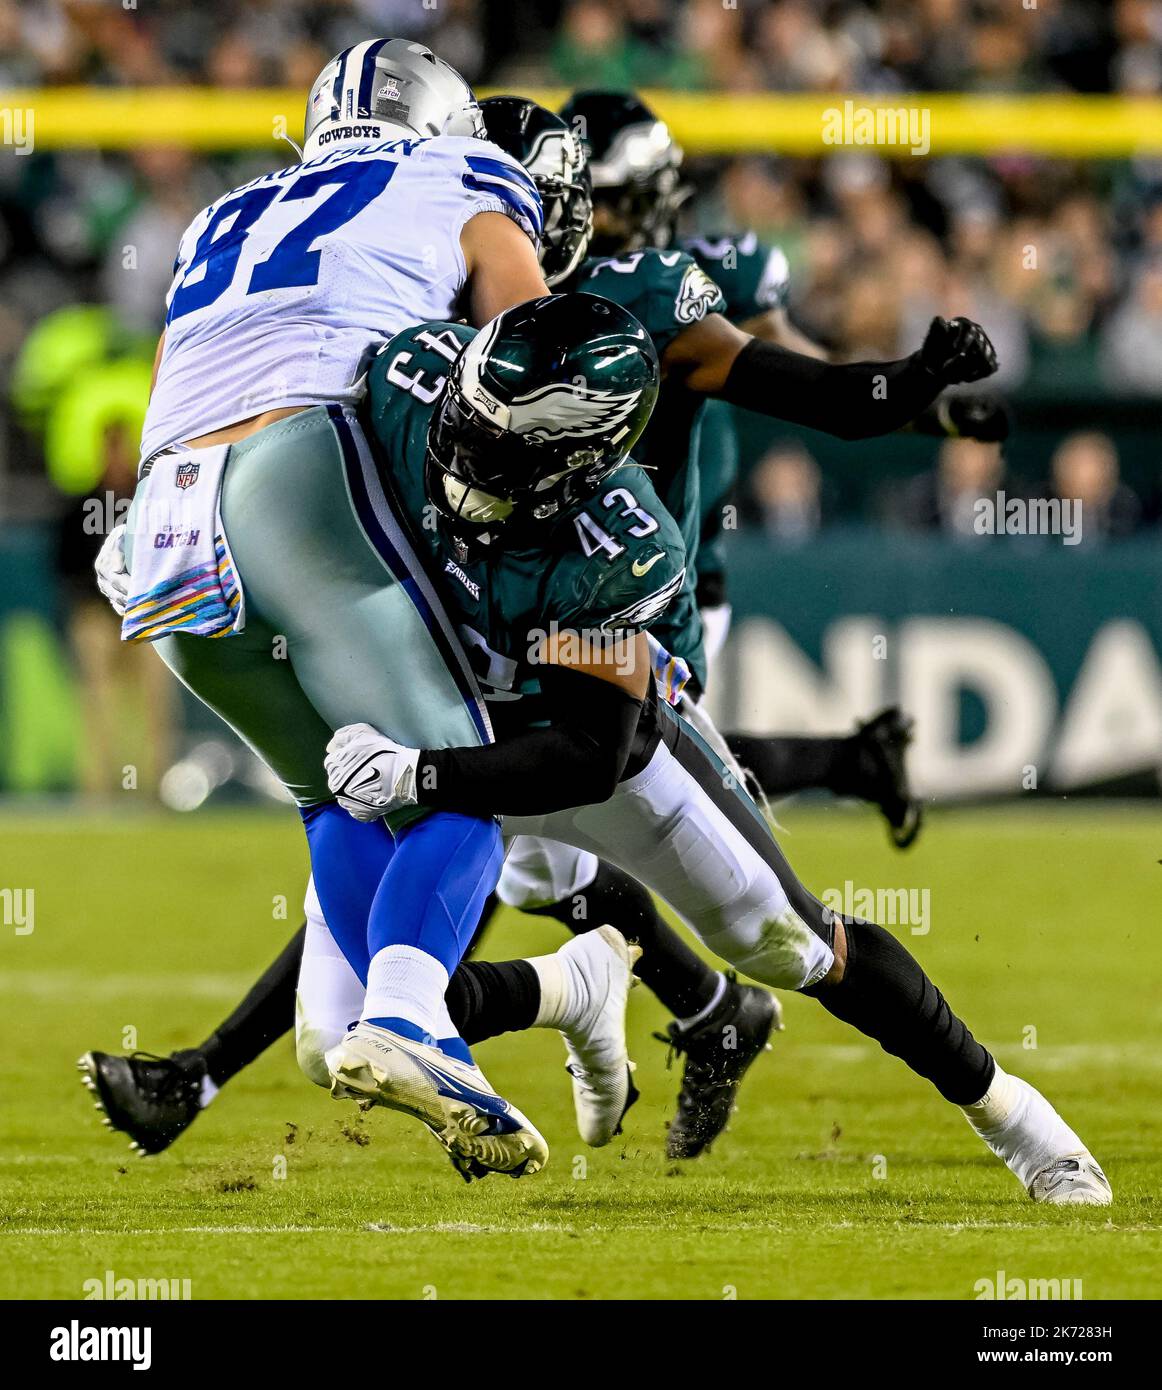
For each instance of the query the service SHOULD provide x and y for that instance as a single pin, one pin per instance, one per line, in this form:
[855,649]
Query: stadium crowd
[1060,260]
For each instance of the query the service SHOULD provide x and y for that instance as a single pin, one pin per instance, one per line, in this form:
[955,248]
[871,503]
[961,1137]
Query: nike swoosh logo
[640,567]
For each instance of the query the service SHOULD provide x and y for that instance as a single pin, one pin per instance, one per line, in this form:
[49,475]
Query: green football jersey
[667,291]
[753,277]
[604,570]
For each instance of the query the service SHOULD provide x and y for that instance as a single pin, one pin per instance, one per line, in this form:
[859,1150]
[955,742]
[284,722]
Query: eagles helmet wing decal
[562,409]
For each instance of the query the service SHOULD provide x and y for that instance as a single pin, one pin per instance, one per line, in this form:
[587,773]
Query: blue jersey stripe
[388,537]
[499,168]
[491,176]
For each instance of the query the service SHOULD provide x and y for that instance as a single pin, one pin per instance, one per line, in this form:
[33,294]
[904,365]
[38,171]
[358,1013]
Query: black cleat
[719,1050]
[152,1099]
[880,747]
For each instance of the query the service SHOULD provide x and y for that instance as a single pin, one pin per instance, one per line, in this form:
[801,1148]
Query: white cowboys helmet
[384,89]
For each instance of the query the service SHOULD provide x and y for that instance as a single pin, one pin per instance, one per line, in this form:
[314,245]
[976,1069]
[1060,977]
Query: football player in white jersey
[247,525]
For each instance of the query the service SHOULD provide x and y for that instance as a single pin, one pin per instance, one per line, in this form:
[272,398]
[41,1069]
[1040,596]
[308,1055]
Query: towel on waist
[183,577]
[671,672]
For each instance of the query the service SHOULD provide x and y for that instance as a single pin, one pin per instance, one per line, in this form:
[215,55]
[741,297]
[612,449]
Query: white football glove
[112,576]
[370,773]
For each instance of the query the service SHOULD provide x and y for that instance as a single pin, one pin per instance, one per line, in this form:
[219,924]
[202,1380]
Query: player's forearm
[533,774]
[853,400]
[576,757]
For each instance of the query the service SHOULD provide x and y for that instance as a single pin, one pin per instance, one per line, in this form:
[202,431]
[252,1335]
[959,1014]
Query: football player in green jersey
[635,167]
[703,355]
[496,449]
[490,456]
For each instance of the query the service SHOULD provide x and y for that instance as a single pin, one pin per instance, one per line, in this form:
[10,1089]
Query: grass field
[842,1175]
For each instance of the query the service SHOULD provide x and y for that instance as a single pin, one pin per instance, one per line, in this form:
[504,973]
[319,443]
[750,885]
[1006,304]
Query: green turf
[843,1175]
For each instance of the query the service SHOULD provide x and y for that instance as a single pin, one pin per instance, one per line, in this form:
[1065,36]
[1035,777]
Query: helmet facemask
[471,464]
[568,228]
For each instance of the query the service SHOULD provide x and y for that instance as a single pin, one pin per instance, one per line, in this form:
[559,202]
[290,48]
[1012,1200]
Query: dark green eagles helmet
[553,156]
[541,406]
[635,166]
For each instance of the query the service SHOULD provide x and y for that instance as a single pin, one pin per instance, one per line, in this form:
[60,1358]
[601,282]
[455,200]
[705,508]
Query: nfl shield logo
[187,475]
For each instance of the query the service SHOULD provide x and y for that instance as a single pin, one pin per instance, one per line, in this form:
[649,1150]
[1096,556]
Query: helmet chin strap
[294,144]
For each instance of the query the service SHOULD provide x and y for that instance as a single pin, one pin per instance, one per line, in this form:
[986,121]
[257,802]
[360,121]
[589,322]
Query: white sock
[1021,1127]
[403,982]
[208,1091]
[444,1028]
[559,1006]
[995,1106]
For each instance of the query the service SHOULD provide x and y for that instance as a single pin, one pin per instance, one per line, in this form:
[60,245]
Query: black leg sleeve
[785,765]
[885,994]
[266,1013]
[486,997]
[681,980]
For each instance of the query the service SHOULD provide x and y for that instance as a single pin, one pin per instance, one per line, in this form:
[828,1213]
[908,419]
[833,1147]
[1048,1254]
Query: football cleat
[152,1099]
[1073,1181]
[881,745]
[1040,1149]
[481,1133]
[600,964]
[719,1051]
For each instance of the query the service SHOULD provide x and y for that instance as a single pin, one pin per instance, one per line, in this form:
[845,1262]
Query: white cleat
[482,1133]
[599,965]
[1039,1148]
[1076,1180]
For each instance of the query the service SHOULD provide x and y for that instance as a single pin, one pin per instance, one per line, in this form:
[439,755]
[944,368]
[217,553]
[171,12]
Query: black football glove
[976,415]
[957,350]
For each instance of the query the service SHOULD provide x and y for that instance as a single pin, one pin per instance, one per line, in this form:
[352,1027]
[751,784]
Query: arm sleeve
[852,400]
[575,761]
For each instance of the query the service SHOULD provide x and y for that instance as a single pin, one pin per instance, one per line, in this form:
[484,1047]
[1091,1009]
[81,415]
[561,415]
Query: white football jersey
[283,288]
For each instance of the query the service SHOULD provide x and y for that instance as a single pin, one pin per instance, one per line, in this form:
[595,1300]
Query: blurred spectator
[127,696]
[1085,470]
[945,498]
[1132,345]
[1060,260]
[785,488]
[594,47]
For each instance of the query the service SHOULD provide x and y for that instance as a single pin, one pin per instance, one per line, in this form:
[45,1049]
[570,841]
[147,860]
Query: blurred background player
[638,192]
